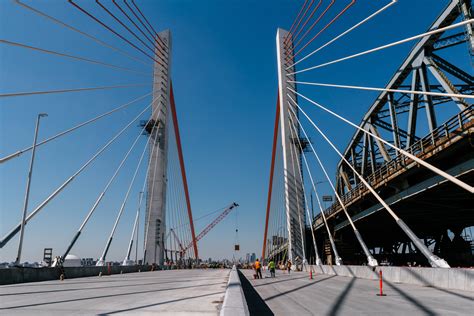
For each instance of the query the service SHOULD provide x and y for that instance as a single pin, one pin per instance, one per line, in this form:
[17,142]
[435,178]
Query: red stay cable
[297,17]
[299,22]
[116,33]
[332,21]
[183,170]
[308,19]
[154,36]
[272,169]
[315,22]
[149,24]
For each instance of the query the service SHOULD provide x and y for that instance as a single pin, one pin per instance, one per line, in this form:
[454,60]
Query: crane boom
[212,224]
[177,239]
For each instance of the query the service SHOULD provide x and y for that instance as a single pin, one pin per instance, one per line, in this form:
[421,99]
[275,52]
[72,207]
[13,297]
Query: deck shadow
[255,303]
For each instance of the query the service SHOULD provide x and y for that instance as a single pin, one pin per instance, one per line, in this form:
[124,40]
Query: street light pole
[138,225]
[27,194]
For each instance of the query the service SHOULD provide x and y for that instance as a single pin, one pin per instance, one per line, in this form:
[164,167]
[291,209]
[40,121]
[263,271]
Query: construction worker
[271,267]
[258,269]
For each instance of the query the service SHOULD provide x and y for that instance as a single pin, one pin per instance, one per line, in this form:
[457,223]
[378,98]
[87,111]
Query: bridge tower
[293,187]
[155,217]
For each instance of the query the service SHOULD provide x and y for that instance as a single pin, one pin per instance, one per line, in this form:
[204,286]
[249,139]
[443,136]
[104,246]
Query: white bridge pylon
[293,187]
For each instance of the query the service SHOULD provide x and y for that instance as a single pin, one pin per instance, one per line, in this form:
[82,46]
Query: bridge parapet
[455,129]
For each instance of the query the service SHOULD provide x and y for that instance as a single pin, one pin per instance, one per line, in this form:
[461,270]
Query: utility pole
[27,193]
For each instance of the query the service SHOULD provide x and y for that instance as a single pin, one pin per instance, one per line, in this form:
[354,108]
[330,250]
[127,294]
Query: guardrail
[455,126]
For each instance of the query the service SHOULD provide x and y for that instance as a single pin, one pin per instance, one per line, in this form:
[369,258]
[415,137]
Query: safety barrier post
[381,285]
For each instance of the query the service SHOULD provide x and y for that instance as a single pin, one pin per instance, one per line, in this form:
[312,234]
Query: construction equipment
[212,224]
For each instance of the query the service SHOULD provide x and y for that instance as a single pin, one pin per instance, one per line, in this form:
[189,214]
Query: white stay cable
[15,230]
[74,57]
[331,240]
[104,191]
[437,94]
[95,39]
[19,152]
[127,194]
[300,172]
[344,33]
[370,259]
[433,259]
[297,193]
[443,29]
[405,153]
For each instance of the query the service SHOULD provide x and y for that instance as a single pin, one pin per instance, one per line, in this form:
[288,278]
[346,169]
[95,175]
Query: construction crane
[212,224]
[182,251]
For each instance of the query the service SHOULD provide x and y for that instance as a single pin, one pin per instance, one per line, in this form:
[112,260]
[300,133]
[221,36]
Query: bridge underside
[426,205]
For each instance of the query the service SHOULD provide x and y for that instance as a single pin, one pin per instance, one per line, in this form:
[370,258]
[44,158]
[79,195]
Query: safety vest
[271,265]
[257,264]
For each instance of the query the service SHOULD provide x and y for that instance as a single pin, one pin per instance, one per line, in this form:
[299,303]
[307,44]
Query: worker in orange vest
[258,269]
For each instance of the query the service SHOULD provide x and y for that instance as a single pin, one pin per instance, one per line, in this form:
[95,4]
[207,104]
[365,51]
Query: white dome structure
[72,261]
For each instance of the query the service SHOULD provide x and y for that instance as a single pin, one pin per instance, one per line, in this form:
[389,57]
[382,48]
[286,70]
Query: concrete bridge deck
[295,294]
[176,292]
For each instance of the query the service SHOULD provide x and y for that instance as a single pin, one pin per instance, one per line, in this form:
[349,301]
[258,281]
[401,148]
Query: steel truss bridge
[401,195]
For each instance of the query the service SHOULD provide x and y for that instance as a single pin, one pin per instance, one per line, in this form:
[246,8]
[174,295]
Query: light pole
[138,225]
[27,194]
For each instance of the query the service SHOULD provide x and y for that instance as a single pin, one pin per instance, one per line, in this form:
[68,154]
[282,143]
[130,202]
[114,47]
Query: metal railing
[455,126]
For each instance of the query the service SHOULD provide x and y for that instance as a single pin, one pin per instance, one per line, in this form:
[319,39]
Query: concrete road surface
[177,292]
[296,295]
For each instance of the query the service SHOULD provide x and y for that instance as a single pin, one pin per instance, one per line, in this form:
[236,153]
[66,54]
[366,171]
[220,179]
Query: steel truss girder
[418,64]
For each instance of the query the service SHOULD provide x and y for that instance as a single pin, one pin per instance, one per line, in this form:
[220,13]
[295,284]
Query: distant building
[253,257]
[247,258]
[86,262]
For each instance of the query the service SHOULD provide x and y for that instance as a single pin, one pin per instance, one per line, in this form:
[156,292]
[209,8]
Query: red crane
[211,225]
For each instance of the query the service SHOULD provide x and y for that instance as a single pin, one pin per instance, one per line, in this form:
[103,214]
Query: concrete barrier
[23,275]
[234,300]
[452,278]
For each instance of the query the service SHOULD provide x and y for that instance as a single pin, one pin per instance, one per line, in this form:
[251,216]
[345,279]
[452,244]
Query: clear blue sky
[225,82]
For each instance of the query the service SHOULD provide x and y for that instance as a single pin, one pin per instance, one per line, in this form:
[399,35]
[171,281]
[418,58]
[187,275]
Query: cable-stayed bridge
[401,194]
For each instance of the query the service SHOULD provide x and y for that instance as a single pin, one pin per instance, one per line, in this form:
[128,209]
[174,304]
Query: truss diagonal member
[370,259]
[440,30]
[16,229]
[21,151]
[105,189]
[434,260]
[300,173]
[344,33]
[95,39]
[436,170]
[459,99]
